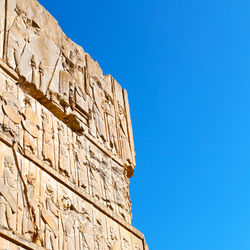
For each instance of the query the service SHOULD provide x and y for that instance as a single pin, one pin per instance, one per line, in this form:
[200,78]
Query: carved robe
[64,160]
[50,215]
[31,126]
[48,149]
[12,115]
[125,147]
[30,210]
[8,201]
[81,163]
[99,238]
[68,231]
[96,181]
[64,82]
[99,115]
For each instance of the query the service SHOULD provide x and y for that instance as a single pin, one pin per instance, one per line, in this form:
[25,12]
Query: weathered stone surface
[66,142]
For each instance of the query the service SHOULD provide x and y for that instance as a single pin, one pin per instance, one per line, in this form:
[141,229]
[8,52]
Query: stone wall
[66,142]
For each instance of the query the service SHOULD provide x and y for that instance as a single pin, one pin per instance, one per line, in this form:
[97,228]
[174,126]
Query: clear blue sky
[186,66]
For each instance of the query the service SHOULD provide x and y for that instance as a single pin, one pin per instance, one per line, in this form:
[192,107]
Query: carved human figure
[8,200]
[48,137]
[111,126]
[81,100]
[20,36]
[67,224]
[31,127]
[31,209]
[81,163]
[91,123]
[99,237]
[108,184]
[125,243]
[95,176]
[124,142]
[17,38]
[64,83]
[99,113]
[84,227]
[12,113]
[113,239]
[35,71]
[50,216]
[64,160]
[137,246]
[121,193]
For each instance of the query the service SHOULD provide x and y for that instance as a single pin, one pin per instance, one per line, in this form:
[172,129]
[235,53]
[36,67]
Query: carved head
[31,179]
[66,202]
[8,162]
[120,109]
[8,87]
[27,101]
[50,189]
[113,235]
[99,226]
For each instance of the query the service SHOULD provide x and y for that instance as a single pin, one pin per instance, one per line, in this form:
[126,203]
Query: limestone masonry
[66,141]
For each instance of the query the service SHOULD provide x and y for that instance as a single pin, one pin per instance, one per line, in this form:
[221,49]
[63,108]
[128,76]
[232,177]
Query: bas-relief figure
[121,192]
[8,201]
[31,126]
[31,210]
[63,150]
[48,138]
[108,184]
[99,235]
[81,163]
[50,215]
[96,180]
[12,114]
[58,109]
[99,112]
[85,229]
[111,125]
[68,224]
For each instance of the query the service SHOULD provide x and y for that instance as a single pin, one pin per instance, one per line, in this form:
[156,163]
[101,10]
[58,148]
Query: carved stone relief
[66,143]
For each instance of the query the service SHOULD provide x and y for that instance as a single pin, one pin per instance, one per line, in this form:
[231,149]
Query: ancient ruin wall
[66,142]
